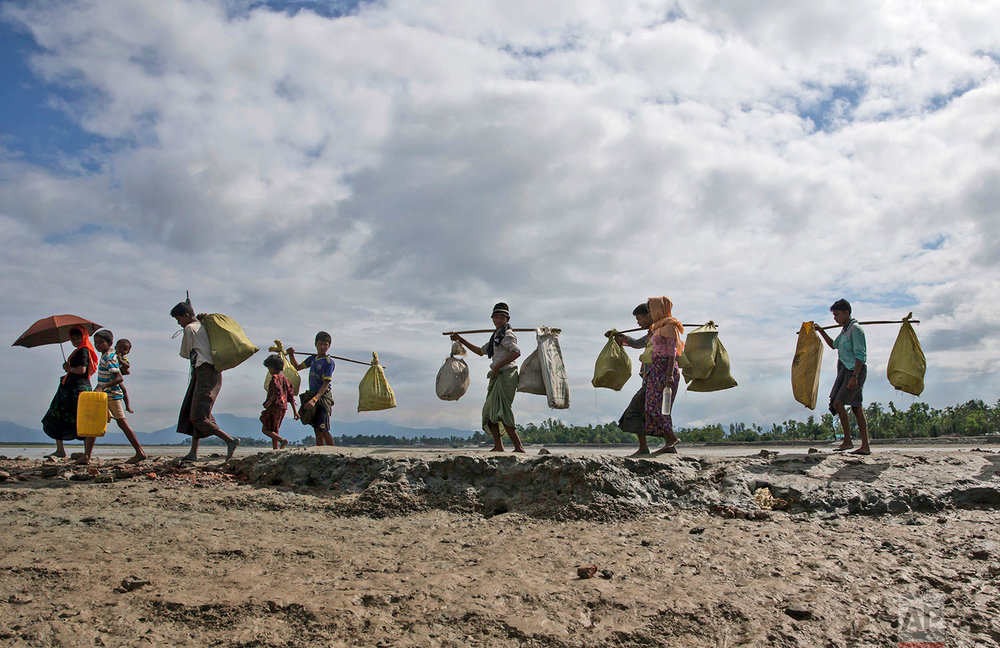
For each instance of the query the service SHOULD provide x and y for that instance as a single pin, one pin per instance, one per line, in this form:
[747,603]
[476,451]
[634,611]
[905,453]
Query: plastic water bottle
[668,401]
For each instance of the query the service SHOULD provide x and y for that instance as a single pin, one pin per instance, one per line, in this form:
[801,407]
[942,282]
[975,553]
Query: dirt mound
[590,487]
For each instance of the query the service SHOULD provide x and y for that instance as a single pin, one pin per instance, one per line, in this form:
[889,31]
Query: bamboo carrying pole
[905,319]
[518,330]
[643,328]
[367,364]
[875,322]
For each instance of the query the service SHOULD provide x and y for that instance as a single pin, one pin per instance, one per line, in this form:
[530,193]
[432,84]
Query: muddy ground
[369,548]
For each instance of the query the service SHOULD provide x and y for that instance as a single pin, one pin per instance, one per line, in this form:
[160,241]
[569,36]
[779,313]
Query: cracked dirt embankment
[609,487]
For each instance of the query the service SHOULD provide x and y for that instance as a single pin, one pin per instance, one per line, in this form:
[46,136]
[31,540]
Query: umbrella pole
[63,351]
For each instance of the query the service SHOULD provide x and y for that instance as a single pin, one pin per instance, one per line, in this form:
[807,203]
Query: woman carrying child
[59,422]
[503,351]
[665,338]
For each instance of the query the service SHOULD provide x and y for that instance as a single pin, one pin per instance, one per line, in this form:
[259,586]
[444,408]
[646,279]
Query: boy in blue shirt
[852,354]
[320,376]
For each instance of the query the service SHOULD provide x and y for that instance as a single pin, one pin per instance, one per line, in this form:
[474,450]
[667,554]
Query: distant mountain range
[239,426]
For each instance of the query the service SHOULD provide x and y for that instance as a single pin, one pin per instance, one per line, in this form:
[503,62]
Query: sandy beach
[349,547]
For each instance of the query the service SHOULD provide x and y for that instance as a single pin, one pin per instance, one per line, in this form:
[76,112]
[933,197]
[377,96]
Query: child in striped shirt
[109,379]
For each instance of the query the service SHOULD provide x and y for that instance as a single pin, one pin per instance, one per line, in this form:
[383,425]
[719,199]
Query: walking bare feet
[496,449]
[190,457]
[82,461]
[667,449]
[843,446]
[640,453]
[137,459]
[57,455]
[521,450]
[231,448]
[282,444]
[863,450]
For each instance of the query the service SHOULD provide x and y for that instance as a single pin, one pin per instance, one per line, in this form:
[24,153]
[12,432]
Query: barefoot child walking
[320,377]
[279,394]
[109,380]
[852,356]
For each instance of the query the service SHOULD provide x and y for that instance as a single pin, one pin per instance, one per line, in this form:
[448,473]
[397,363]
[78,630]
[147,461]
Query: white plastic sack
[529,376]
[553,368]
[453,376]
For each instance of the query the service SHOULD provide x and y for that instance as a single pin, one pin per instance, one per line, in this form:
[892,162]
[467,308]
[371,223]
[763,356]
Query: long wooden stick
[912,321]
[367,364]
[519,330]
[643,328]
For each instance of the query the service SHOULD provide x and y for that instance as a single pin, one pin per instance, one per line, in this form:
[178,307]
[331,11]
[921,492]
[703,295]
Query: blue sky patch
[31,126]
[935,244]
[325,8]
[836,105]
[87,229]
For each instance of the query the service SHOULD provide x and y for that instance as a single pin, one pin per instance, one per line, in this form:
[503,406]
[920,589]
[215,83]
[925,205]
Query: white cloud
[390,174]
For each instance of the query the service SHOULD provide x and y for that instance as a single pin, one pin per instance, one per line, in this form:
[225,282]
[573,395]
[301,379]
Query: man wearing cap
[503,353]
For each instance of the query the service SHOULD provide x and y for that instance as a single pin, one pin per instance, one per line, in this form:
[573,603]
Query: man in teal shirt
[852,354]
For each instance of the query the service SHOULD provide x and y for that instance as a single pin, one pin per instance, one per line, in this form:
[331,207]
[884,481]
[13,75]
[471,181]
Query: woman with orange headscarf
[59,422]
[665,338]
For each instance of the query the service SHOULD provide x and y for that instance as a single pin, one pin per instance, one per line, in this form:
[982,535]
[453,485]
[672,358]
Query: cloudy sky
[387,171]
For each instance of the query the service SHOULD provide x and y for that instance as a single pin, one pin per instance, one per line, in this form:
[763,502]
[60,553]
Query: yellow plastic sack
[374,392]
[702,349]
[92,414]
[806,365]
[230,345]
[906,362]
[613,367]
[288,369]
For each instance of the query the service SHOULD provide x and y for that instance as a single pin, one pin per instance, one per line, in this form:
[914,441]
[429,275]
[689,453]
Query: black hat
[501,308]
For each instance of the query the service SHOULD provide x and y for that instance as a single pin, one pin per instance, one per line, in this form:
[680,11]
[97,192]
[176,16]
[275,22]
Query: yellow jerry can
[92,414]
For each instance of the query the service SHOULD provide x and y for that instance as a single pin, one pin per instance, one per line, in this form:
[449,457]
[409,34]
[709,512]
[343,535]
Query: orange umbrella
[53,330]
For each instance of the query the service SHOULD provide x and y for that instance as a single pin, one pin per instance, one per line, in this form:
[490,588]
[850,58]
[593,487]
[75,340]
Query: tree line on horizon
[920,420]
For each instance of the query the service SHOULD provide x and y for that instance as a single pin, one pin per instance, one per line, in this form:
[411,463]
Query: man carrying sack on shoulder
[196,417]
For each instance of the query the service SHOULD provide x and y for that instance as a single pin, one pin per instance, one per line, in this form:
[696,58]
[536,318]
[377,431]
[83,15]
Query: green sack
[613,367]
[230,345]
[698,359]
[374,392]
[718,377]
[906,362]
[806,365]
[307,413]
